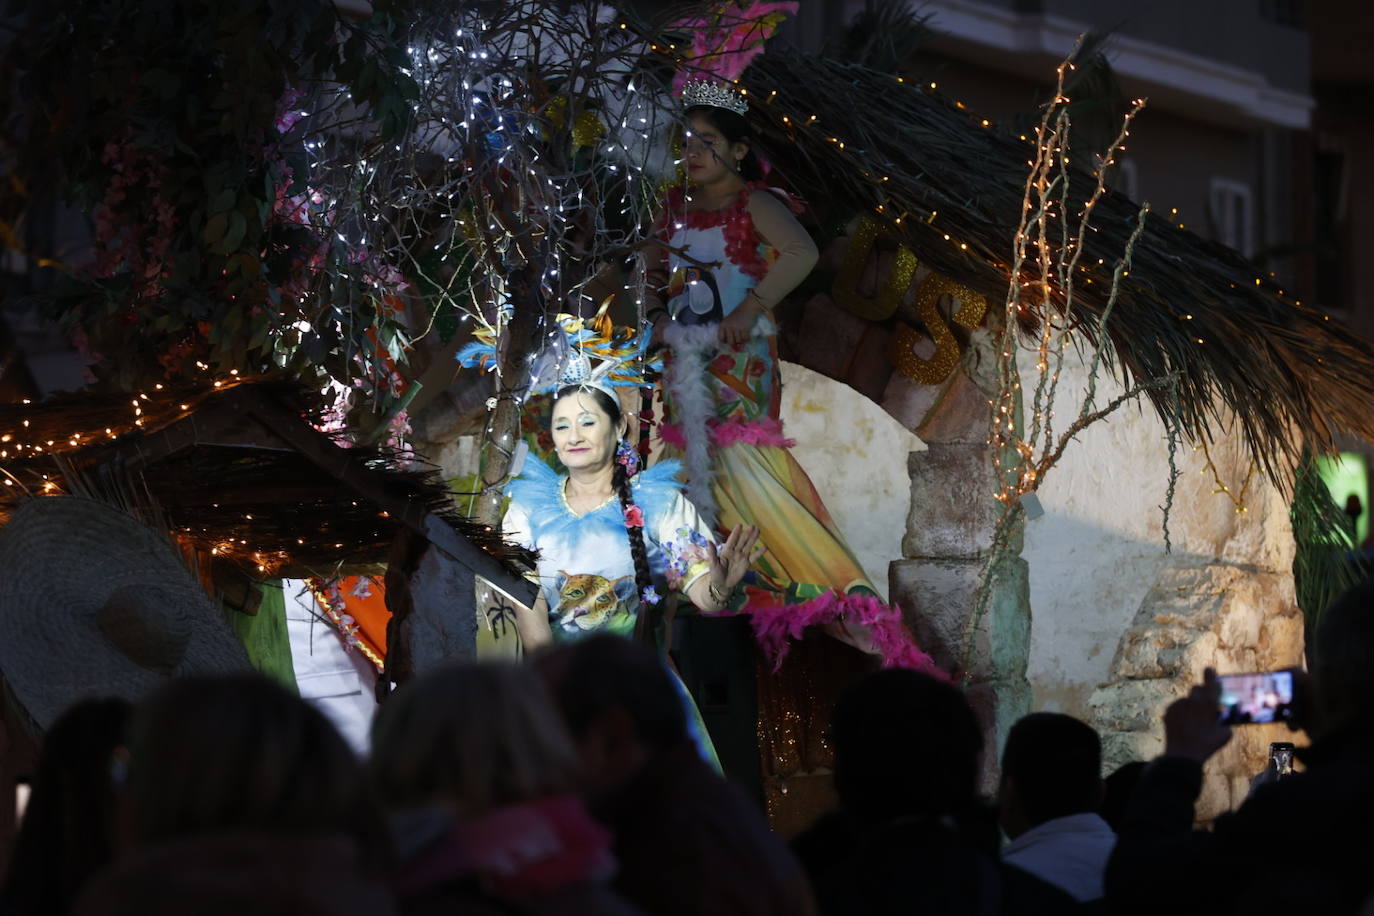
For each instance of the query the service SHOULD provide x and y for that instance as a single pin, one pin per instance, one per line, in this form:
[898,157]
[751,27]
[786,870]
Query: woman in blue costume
[611,542]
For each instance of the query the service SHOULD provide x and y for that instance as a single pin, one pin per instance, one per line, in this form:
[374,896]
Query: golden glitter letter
[972,308]
[845,289]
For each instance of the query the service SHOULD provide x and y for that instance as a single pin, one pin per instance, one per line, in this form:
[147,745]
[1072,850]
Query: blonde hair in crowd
[475,738]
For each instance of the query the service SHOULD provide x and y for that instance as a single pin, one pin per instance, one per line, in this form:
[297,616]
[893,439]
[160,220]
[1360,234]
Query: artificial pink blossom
[287,112]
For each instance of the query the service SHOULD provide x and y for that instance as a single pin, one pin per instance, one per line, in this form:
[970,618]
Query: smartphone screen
[1281,758]
[1252,699]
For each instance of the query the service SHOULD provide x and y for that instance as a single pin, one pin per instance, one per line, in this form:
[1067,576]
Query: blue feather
[655,487]
[538,490]
[471,355]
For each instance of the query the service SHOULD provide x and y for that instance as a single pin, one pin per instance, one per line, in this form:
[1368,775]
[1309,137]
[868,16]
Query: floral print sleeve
[684,538]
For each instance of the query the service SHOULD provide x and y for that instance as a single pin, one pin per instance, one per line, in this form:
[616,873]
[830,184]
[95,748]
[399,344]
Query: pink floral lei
[742,243]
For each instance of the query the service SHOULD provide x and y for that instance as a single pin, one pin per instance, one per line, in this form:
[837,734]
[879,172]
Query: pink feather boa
[776,625]
[767,431]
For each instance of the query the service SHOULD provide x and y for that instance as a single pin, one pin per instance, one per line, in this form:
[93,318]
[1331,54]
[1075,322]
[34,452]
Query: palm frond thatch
[950,187]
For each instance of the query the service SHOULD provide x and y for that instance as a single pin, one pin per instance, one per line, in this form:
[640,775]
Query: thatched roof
[237,471]
[949,185]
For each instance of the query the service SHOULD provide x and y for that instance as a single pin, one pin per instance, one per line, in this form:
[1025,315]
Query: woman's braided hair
[620,479]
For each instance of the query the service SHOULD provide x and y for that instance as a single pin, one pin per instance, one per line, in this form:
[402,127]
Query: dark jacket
[689,843]
[541,858]
[917,865]
[1301,845]
[236,873]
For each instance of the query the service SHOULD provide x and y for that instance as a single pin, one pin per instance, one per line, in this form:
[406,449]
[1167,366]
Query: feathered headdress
[723,44]
[594,353]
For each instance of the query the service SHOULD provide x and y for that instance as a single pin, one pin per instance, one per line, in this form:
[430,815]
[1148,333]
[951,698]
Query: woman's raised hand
[732,560]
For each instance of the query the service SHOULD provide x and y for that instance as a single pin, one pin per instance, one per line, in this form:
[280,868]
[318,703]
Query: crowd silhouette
[570,785]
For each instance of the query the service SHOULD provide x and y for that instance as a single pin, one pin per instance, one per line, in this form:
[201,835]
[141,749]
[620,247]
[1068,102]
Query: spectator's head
[904,744]
[619,703]
[240,753]
[1117,791]
[471,737]
[1343,658]
[1051,768]
[72,823]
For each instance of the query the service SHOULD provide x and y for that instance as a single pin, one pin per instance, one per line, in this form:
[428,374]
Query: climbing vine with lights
[1047,249]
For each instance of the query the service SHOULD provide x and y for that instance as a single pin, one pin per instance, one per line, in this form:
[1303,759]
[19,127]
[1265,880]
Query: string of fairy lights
[18,443]
[38,467]
[164,407]
[1046,253]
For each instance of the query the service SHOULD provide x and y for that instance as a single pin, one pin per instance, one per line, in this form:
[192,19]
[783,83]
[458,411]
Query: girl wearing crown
[731,250]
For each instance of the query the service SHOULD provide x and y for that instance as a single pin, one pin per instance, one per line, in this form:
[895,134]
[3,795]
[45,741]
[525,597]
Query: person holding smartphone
[1300,844]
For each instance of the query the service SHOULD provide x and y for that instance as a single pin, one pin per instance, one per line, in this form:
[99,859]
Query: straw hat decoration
[94,602]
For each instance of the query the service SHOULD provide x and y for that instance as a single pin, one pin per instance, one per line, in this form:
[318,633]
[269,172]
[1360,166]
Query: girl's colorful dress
[723,404]
[586,571]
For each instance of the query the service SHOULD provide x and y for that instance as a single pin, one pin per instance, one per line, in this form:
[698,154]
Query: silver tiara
[717,95]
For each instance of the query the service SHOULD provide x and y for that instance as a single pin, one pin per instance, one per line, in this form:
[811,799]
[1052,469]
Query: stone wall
[1120,628]
[950,525]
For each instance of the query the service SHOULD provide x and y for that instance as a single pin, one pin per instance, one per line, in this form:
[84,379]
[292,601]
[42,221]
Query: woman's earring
[627,457]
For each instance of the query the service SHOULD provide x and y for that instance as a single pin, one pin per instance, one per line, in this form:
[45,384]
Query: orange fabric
[371,612]
[368,612]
